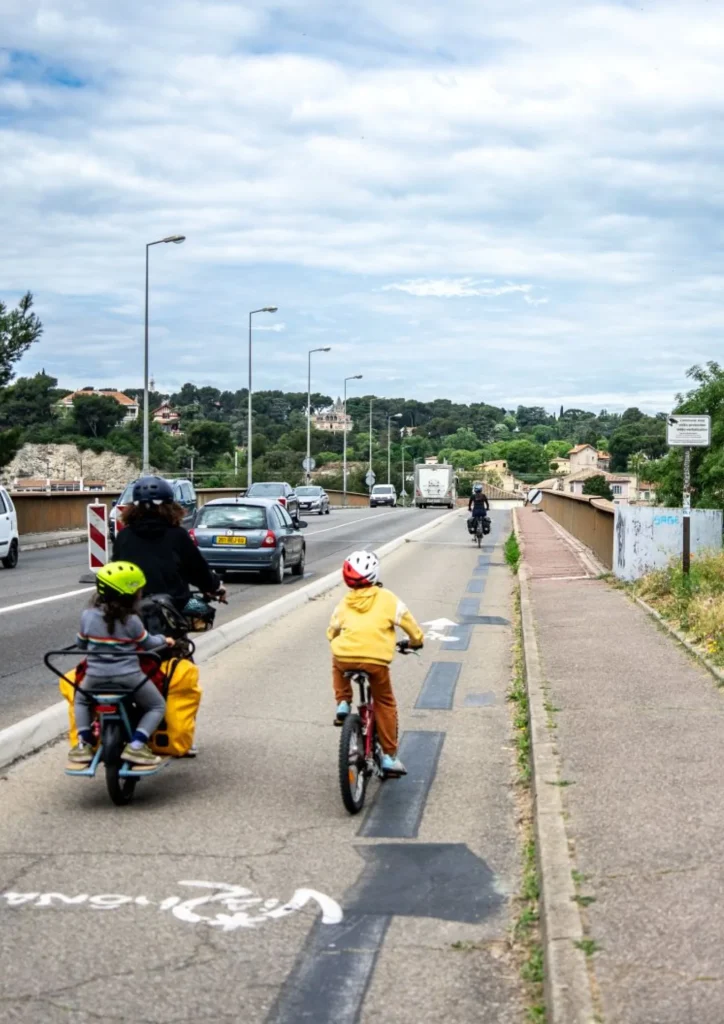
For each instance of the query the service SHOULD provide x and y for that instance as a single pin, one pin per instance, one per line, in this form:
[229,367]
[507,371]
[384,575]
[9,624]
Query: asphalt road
[41,601]
[237,888]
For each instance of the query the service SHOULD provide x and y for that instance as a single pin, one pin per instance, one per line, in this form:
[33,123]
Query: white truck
[435,486]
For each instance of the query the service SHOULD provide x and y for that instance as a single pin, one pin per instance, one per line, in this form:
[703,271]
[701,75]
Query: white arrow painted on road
[440,623]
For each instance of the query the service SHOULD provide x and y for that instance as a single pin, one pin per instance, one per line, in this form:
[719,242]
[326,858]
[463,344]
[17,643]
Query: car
[249,535]
[9,537]
[383,494]
[283,492]
[183,494]
[313,499]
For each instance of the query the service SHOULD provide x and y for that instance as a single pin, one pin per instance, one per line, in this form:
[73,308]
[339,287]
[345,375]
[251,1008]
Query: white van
[383,494]
[9,539]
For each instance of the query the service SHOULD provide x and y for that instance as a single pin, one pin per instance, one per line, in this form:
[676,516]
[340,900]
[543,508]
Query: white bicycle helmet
[361,569]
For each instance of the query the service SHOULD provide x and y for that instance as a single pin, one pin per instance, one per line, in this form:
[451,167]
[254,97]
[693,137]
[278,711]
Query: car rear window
[127,496]
[267,490]
[232,517]
[309,492]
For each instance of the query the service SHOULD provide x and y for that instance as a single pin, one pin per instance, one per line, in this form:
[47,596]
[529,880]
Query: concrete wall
[648,538]
[588,519]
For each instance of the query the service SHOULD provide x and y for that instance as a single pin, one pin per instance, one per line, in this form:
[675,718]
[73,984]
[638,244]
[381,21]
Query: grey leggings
[147,697]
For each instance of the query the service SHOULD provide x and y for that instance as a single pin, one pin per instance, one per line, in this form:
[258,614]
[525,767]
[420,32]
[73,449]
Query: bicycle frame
[366,710]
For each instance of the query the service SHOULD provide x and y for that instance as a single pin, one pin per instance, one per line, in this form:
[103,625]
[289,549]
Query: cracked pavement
[260,809]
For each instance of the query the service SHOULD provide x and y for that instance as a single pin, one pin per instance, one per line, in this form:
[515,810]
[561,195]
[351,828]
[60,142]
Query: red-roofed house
[585,456]
[130,405]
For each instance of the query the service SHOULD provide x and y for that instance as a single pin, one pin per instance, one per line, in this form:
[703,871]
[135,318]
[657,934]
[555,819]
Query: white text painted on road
[45,600]
[244,909]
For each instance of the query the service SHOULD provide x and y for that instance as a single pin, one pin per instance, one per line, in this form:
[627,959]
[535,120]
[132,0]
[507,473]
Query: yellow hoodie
[362,627]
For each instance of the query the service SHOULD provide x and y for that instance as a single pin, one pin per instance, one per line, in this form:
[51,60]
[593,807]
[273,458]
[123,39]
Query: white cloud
[447,288]
[277,328]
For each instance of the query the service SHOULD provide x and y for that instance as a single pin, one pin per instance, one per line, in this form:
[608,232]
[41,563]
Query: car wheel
[326,511]
[298,569]
[11,559]
[277,575]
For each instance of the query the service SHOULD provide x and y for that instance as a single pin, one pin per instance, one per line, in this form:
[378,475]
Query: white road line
[361,522]
[45,600]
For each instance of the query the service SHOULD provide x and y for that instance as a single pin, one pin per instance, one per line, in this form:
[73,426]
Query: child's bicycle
[360,753]
[114,719]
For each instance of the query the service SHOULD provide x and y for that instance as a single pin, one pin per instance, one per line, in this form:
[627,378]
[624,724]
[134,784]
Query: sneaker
[392,765]
[192,751]
[82,754]
[342,712]
[140,755]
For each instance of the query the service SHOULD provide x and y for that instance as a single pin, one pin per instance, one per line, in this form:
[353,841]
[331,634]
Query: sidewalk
[59,539]
[639,728]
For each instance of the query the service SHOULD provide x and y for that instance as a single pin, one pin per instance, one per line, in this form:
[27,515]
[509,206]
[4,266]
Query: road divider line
[30,734]
[344,526]
[45,600]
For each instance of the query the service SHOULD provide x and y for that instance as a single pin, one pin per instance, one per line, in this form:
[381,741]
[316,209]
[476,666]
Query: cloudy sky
[489,200]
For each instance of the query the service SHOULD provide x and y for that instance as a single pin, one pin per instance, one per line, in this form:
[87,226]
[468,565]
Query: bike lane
[237,887]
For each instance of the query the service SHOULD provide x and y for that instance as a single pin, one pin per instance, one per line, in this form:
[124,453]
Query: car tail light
[194,538]
[270,541]
[282,501]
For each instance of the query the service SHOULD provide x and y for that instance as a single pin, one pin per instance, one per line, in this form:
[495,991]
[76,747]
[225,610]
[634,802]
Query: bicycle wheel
[119,790]
[352,768]
[479,536]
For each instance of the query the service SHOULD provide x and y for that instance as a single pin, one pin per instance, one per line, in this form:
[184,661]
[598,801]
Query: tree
[96,415]
[645,434]
[209,440]
[526,457]
[599,487]
[19,329]
[10,444]
[531,416]
[29,401]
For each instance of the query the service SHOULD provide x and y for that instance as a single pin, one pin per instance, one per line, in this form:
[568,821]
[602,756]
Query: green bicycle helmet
[122,579]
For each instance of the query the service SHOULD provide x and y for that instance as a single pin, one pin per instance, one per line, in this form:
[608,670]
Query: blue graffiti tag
[666,520]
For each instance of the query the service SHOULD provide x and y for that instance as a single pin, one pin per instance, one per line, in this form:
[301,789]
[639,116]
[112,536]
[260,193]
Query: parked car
[313,499]
[283,492]
[9,539]
[383,494]
[183,494]
[249,535]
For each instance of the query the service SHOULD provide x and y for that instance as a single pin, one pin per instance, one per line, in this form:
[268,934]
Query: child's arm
[142,638]
[335,625]
[406,620]
[81,639]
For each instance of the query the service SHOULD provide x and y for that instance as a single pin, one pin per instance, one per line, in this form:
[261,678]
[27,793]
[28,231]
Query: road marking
[398,810]
[438,689]
[344,526]
[45,600]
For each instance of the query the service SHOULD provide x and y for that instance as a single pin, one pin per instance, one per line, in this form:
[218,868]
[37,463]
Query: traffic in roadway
[236,886]
[41,600]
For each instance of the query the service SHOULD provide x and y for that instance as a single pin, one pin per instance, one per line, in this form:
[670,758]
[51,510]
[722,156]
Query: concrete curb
[709,665]
[30,734]
[42,545]
[567,984]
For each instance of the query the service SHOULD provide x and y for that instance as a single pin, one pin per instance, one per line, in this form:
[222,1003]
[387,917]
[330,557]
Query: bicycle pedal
[393,775]
[339,722]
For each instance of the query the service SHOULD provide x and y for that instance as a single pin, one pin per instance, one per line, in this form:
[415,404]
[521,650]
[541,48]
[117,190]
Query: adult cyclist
[478,506]
[153,539]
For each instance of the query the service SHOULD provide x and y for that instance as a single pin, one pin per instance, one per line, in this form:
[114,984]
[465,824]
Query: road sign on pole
[370,478]
[688,431]
[308,465]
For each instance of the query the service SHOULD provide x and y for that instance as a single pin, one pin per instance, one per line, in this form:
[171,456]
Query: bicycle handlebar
[403,647]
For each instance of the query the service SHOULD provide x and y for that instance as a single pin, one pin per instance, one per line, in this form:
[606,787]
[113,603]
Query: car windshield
[384,489]
[309,492]
[127,496]
[267,490]
[232,517]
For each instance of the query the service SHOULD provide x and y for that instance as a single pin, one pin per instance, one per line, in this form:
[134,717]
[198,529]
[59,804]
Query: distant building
[167,418]
[496,472]
[560,466]
[333,418]
[585,456]
[130,405]
[431,460]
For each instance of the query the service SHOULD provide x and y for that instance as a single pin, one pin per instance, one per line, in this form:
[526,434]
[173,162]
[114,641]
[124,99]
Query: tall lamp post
[357,376]
[396,416]
[177,240]
[371,400]
[404,488]
[307,471]
[264,309]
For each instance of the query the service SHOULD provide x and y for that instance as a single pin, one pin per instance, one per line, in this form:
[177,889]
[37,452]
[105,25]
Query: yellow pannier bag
[175,736]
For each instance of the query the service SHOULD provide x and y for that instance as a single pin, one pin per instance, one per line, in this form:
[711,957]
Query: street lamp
[307,470]
[396,416]
[177,240]
[371,400]
[404,488]
[357,376]
[264,309]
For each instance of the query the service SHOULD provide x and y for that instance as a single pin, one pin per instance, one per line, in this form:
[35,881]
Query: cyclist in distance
[478,506]
[153,538]
[362,635]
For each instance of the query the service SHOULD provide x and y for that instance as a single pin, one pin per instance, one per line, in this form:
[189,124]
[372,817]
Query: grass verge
[512,552]
[526,931]
[693,604]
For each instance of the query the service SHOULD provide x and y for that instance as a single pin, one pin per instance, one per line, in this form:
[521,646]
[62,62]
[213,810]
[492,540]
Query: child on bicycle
[362,635]
[112,625]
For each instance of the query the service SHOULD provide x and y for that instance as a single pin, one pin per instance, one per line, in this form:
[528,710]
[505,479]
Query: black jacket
[170,560]
[479,500]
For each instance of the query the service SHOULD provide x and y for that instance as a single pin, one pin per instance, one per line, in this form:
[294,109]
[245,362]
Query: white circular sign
[308,465]
[370,478]
[535,497]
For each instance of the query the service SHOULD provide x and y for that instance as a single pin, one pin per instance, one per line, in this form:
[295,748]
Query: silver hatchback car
[249,535]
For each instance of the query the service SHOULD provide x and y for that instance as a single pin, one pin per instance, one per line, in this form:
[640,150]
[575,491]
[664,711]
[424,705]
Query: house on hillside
[560,466]
[496,472]
[167,418]
[585,456]
[130,405]
[332,418]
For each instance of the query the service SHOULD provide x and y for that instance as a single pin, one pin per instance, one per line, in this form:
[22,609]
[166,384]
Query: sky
[509,202]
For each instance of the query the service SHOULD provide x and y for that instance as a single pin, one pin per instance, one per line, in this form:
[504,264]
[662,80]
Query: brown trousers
[384,698]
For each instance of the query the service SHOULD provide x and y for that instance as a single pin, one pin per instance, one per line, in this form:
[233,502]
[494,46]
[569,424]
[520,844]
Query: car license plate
[230,540]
